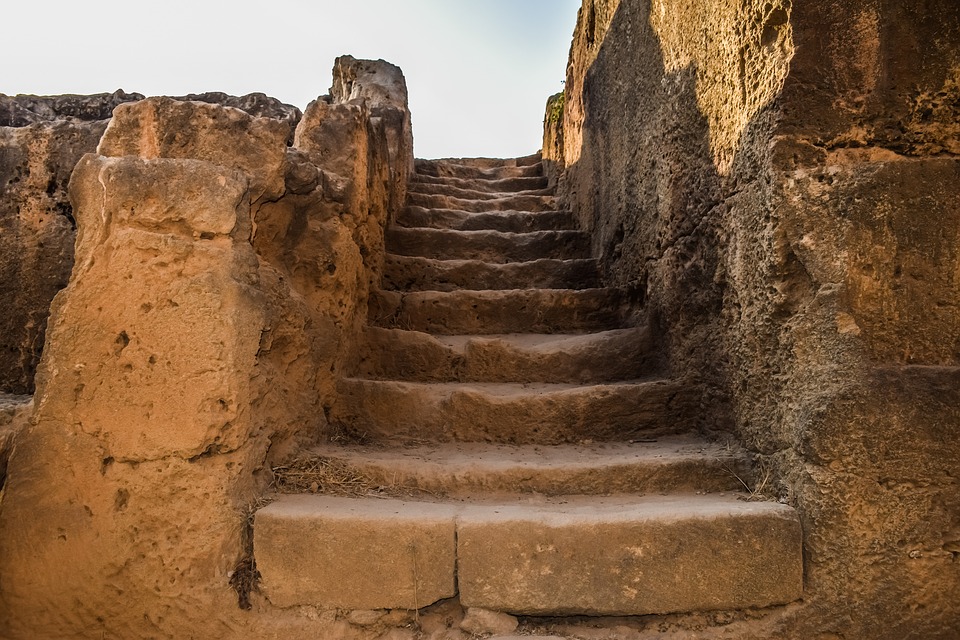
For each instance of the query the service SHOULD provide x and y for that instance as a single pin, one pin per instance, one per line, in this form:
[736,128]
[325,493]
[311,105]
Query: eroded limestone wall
[41,140]
[219,275]
[780,181]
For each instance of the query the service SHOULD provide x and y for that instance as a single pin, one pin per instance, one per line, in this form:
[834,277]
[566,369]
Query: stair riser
[510,203]
[488,246]
[418,357]
[388,410]
[422,274]
[489,186]
[508,221]
[492,312]
[562,566]
[310,556]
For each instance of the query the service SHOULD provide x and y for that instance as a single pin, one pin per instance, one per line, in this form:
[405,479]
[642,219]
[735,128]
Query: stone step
[668,464]
[440,169]
[413,356]
[529,413]
[495,312]
[482,168]
[486,163]
[489,246]
[456,191]
[513,221]
[479,184]
[411,273]
[506,203]
[535,556]
[656,555]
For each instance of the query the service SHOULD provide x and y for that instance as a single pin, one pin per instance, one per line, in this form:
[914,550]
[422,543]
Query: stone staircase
[507,437]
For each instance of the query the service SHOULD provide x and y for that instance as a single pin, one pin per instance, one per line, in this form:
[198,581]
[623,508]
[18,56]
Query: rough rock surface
[168,128]
[41,140]
[482,621]
[259,105]
[382,87]
[189,354]
[37,229]
[780,179]
[24,110]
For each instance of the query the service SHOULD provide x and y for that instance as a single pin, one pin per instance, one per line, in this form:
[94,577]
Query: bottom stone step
[570,556]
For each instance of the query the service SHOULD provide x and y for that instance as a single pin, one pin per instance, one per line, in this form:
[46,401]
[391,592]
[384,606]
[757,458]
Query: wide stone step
[643,556]
[674,463]
[480,184]
[411,273]
[532,413]
[355,554]
[513,221]
[488,246]
[455,191]
[506,203]
[395,354]
[534,556]
[494,312]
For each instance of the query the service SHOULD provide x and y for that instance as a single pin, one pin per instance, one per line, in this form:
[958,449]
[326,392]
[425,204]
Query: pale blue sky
[479,71]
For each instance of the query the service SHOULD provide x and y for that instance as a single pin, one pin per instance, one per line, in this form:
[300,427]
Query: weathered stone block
[654,556]
[371,554]
[161,297]
[167,128]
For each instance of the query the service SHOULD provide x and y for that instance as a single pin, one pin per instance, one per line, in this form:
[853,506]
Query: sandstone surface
[776,177]
[189,354]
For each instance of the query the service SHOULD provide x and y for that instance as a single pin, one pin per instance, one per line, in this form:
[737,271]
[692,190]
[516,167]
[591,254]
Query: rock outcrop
[780,180]
[218,276]
[41,140]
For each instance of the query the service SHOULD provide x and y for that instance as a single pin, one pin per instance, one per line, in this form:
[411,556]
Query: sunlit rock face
[41,140]
[779,179]
[219,276]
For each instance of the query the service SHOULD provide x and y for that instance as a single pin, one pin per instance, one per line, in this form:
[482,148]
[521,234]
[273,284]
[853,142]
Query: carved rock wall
[779,179]
[218,275]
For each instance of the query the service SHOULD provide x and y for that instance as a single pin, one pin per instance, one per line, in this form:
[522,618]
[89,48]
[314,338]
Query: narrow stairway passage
[512,440]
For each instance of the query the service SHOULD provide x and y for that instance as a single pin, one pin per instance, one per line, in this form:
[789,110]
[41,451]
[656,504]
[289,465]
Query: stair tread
[509,390]
[558,509]
[582,469]
[535,341]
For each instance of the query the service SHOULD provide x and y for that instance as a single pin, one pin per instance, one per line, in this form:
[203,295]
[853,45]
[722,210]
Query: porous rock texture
[189,353]
[781,180]
[41,140]
[37,229]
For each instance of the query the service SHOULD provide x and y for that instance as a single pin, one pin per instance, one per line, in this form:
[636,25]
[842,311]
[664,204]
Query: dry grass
[322,475]
[762,489]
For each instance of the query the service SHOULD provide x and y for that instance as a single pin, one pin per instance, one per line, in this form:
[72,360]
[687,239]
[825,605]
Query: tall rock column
[124,510]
